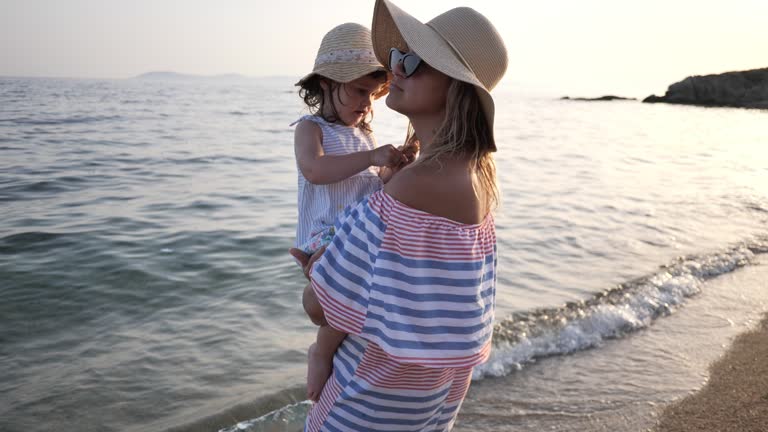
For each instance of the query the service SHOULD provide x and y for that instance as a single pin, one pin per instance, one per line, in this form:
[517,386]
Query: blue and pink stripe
[415,292]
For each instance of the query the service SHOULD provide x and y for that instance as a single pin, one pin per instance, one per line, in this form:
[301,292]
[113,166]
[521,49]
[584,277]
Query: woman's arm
[319,168]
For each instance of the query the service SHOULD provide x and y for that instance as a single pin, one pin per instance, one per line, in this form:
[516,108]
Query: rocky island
[597,99]
[742,89]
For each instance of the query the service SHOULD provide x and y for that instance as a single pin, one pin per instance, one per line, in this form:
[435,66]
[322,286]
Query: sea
[145,281]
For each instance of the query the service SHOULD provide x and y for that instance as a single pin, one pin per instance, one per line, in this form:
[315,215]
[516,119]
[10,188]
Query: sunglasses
[410,61]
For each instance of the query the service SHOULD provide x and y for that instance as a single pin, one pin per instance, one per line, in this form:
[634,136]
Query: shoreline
[735,398]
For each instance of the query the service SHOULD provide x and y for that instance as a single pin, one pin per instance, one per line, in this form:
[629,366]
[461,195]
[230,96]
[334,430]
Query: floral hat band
[358,56]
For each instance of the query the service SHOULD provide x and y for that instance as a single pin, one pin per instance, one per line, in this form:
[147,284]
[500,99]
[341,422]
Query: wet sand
[736,395]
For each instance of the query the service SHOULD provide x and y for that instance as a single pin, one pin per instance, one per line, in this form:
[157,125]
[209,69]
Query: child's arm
[410,152]
[319,168]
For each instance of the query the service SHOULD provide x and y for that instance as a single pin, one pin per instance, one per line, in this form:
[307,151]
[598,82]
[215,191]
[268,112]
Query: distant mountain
[175,76]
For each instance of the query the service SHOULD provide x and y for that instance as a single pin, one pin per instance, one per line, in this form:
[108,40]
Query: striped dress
[319,205]
[415,292]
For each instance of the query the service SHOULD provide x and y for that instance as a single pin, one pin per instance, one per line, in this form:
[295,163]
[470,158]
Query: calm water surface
[144,280]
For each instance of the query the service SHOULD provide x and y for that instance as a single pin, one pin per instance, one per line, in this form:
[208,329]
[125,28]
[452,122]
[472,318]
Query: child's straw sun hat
[345,54]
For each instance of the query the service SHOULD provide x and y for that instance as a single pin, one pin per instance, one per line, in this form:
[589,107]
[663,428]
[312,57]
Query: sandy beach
[736,395]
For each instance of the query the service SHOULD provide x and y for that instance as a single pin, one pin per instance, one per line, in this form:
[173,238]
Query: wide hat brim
[394,28]
[342,72]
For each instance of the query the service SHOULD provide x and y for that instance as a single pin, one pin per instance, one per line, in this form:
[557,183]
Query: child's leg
[320,360]
[312,306]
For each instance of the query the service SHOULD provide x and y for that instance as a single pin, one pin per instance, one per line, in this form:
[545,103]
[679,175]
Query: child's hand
[387,156]
[410,151]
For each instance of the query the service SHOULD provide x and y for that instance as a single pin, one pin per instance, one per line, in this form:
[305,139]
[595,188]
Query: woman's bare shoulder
[438,192]
[407,186]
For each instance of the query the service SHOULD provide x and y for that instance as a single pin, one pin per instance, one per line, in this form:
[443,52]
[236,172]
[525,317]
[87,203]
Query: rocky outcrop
[601,98]
[743,89]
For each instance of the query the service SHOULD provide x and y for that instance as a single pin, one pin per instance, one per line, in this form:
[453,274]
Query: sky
[587,46]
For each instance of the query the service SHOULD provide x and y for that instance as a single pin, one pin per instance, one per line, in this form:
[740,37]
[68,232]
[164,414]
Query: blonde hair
[464,132]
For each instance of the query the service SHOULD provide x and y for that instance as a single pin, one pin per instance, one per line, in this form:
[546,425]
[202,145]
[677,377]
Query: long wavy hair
[311,91]
[464,132]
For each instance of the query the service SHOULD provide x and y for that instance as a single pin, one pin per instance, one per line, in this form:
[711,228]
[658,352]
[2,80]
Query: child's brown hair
[311,91]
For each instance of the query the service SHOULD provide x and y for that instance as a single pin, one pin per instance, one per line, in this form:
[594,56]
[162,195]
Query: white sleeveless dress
[319,205]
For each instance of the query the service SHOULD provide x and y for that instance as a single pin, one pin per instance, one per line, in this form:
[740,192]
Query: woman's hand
[305,260]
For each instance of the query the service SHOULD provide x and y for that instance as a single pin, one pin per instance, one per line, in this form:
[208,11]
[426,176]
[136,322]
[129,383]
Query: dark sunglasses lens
[410,61]
[410,64]
[394,57]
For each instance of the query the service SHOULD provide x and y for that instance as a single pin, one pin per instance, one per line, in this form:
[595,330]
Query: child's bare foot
[318,371]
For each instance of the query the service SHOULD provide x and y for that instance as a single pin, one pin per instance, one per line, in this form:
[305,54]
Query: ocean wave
[218,159]
[27,238]
[286,417]
[28,121]
[165,208]
[633,305]
[34,190]
[757,206]
[575,326]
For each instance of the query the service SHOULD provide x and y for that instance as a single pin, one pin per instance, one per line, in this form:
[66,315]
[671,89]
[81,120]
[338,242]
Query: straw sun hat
[345,54]
[460,43]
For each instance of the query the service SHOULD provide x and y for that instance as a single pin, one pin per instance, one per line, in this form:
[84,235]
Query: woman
[410,275]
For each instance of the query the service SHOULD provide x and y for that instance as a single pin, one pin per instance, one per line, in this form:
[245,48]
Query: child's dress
[319,205]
